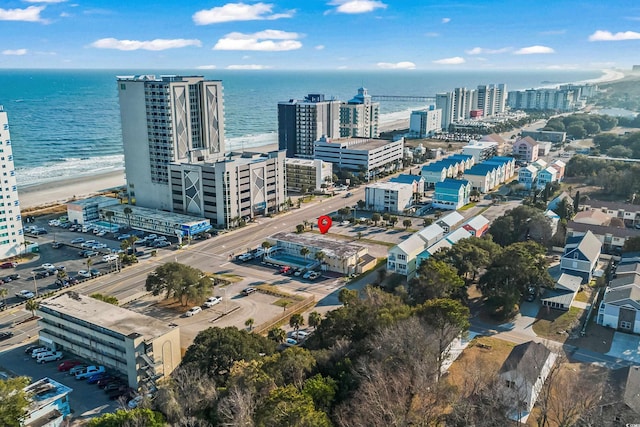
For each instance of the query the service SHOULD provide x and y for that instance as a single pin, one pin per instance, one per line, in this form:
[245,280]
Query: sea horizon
[65,123]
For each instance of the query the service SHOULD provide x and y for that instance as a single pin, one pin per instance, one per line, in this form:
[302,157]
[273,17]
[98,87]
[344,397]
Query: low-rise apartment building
[141,348]
[392,197]
[303,174]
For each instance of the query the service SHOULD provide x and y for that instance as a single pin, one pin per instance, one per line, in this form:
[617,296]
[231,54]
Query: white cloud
[206,67]
[157,44]
[16,52]
[482,50]
[262,40]
[600,36]
[30,14]
[238,12]
[65,15]
[44,1]
[248,67]
[432,34]
[403,65]
[357,6]
[450,61]
[446,20]
[562,67]
[531,50]
[319,47]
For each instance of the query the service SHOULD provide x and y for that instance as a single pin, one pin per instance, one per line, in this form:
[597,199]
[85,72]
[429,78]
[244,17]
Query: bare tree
[237,407]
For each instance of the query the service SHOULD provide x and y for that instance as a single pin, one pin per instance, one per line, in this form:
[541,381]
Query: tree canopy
[179,281]
[519,224]
[13,401]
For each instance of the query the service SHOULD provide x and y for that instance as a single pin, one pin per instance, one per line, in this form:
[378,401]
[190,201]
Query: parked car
[193,311]
[299,335]
[49,356]
[161,244]
[56,245]
[124,236]
[90,371]
[211,301]
[97,377]
[35,352]
[114,385]
[89,254]
[8,265]
[314,275]
[68,364]
[290,342]
[48,266]
[307,275]
[30,348]
[125,392]
[109,257]
[285,269]
[77,369]
[43,274]
[14,276]
[25,294]
[84,273]
[77,240]
[94,272]
[297,273]
[88,243]
[248,291]
[5,335]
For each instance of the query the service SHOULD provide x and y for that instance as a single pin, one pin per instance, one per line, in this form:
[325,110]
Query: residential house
[457,235]
[627,269]
[451,194]
[450,221]
[619,308]
[427,253]
[481,150]
[495,138]
[401,259]
[553,204]
[540,164]
[482,177]
[477,226]
[524,373]
[48,404]
[624,280]
[559,166]
[527,176]
[592,218]
[526,149]
[434,173]
[612,238]
[554,220]
[562,295]
[620,401]
[467,159]
[509,165]
[547,176]
[417,181]
[581,254]
[629,213]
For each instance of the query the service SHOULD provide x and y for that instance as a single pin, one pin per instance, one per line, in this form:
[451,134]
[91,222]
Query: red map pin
[324,223]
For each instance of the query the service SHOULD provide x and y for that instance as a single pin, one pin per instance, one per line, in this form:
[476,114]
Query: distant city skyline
[320,34]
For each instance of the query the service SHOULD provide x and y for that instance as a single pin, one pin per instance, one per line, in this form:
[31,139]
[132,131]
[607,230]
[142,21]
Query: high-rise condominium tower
[164,120]
[11,235]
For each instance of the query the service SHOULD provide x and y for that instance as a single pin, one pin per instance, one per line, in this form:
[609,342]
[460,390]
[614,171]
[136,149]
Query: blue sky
[320,34]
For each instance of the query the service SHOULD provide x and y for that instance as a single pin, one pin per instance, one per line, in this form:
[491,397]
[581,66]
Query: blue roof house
[451,194]
[433,173]
[482,177]
[416,180]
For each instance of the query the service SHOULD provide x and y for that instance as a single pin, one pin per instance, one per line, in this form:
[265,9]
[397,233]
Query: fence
[298,307]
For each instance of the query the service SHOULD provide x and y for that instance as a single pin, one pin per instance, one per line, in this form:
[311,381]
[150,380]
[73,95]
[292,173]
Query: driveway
[625,346]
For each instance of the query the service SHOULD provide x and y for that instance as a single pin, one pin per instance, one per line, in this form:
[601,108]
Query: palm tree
[320,256]
[127,212]
[406,223]
[89,263]
[304,252]
[314,319]
[375,217]
[277,334]
[61,274]
[3,294]
[295,321]
[32,305]
[109,215]
[249,323]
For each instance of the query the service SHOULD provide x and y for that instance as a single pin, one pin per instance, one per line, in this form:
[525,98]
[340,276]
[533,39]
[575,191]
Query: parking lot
[87,400]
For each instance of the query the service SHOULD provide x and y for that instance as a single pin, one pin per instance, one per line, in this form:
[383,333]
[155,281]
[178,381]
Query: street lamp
[35,283]
[225,300]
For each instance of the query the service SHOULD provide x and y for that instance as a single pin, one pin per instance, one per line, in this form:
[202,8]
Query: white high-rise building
[491,99]
[11,234]
[424,123]
[164,120]
[359,116]
[455,105]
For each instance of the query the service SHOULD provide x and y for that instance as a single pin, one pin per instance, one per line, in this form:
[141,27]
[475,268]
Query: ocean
[66,123]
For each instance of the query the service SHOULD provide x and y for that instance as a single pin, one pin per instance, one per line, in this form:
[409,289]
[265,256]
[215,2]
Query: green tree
[106,298]
[359,235]
[468,256]
[386,216]
[133,417]
[320,256]
[296,320]
[287,406]
[299,228]
[632,245]
[576,202]
[109,215]
[14,401]
[214,351]
[361,204]
[304,251]
[427,222]
[266,245]
[277,334]
[3,294]
[179,281]
[249,323]
[127,213]
[343,212]
[436,279]
[519,224]
[314,319]
[322,390]
[375,217]
[32,305]
[290,366]
[393,220]
[89,263]
[406,223]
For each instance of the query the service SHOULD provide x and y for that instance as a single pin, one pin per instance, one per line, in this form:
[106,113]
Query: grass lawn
[285,302]
[485,353]
[553,324]
[583,296]
[468,206]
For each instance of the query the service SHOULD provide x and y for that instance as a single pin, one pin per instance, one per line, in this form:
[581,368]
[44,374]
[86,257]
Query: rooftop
[456,236]
[97,200]
[628,268]
[614,206]
[494,137]
[625,280]
[331,247]
[626,293]
[481,144]
[602,230]
[527,359]
[588,244]
[108,316]
[441,244]
[299,161]
[355,143]
[451,183]
[389,185]
[436,166]
[452,219]
[412,244]
[159,216]
[44,392]
[480,169]
[477,222]
[568,282]
[528,140]
[407,179]
[592,217]
[431,232]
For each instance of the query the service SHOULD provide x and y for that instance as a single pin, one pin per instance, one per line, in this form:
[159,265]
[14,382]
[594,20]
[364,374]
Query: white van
[39,350]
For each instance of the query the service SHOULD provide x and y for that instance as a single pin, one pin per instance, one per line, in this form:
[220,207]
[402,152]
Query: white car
[193,311]
[299,335]
[110,257]
[84,273]
[48,266]
[307,275]
[49,356]
[211,301]
[314,275]
[37,351]
[25,294]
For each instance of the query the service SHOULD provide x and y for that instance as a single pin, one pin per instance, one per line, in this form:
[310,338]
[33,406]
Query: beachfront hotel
[164,120]
[11,233]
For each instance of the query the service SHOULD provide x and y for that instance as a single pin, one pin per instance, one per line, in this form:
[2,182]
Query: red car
[8,265]
[285,269]
[68,364]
